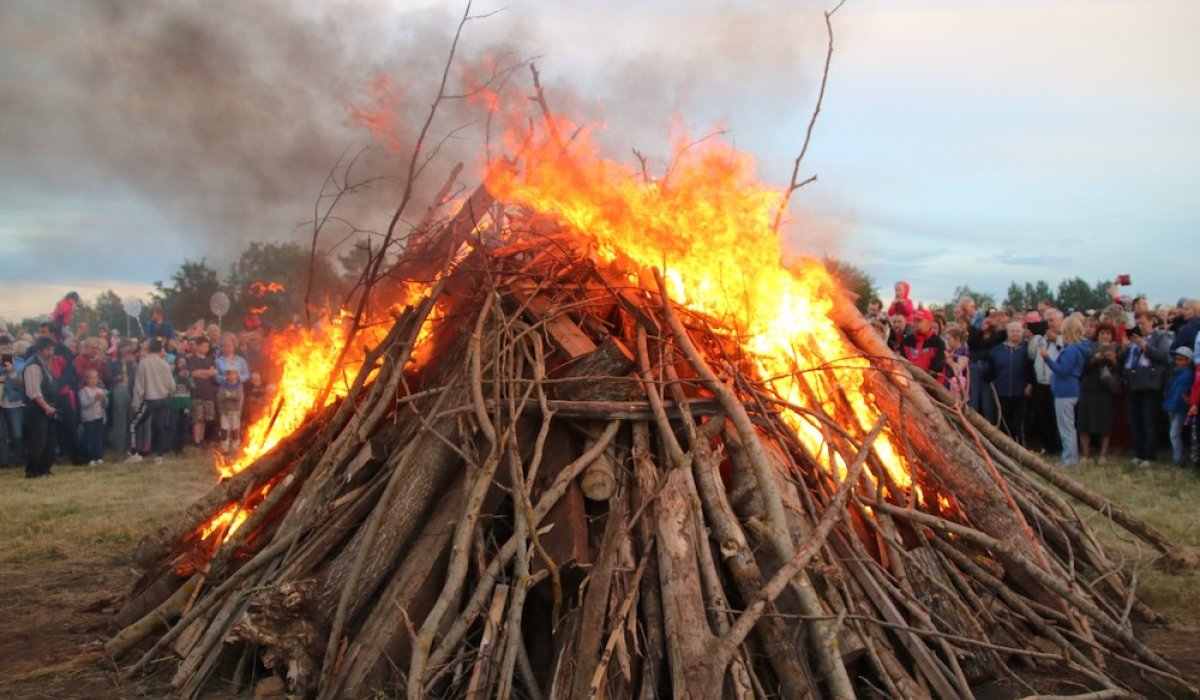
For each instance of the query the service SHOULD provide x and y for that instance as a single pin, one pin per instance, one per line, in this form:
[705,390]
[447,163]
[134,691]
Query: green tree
[107,308]
[273,278]
[854,280]
[187,299]
[983,300]
[1075,293]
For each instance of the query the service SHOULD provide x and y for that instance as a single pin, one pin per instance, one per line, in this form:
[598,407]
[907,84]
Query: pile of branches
[577,488]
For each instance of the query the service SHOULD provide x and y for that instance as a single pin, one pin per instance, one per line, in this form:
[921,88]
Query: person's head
[1191,309]
[44,348]
[1183,357]
[228,345]
[91,378]
[923,321]
[1140,303]
[1072,329]
[214,332]
[91,347]
[232,377]
[1145,322]
[902,289]
[157,314]
[967,307]
[72,298]
[874,307]
[954,338]
[1033,316]
[1105,332]
[898,323]
[181,364]
[201,346]
[256,379]
[1054,319]
[45,330]
[1015,330]
[155,346]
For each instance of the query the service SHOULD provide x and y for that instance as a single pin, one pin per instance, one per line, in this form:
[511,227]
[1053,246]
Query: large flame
[708,227]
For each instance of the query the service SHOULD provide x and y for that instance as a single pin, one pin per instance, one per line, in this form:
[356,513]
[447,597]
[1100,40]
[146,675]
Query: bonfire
[609,442]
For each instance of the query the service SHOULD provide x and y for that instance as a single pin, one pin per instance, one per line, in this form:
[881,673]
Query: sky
[973,142]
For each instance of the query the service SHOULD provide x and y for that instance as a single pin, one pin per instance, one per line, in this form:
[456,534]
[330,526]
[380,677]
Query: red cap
[923,313]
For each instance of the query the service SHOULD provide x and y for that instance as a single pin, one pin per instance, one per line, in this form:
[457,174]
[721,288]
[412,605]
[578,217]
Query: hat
[923,313]
[1185,352]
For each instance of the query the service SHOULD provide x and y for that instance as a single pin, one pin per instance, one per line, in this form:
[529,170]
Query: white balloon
[219,304]
[132,305]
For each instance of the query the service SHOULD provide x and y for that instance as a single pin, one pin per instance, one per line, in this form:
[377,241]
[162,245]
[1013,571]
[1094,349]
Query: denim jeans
[1064,413]
[1177,420]
[981,391]
[12,450]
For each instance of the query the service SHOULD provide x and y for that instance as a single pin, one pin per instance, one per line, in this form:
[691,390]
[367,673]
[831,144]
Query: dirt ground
[65,545]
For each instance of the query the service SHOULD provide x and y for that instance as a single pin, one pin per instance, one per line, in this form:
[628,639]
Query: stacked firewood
[575,487]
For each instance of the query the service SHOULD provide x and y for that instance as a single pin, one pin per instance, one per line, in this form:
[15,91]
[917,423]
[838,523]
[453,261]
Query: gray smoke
[225,116]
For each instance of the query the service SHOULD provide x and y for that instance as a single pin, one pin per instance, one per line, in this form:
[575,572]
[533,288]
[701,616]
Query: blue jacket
[1178,388]
[1013,370]
[1067,368]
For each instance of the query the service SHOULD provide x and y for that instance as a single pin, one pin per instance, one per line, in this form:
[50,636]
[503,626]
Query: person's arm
[33,388]
[242,368]
[938,364]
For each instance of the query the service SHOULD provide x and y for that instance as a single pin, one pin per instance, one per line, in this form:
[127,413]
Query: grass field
[65,545]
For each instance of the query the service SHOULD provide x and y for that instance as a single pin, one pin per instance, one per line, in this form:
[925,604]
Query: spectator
[156,327]
[123,371]
[12,404]
[179,405]
[39,410]
[152,386]
[958,372]
[60,319]
[980,341]
[923,347]
[1145,362]
[1189,330]
[1042,425]
[229,359]
[1176,402]
[203,369]
[214,336]
[901,304]
[1013,380]
[899,329]
[1067,369]
[92,359]
[1097,394]
[93,400]
[229,409]
[875,309]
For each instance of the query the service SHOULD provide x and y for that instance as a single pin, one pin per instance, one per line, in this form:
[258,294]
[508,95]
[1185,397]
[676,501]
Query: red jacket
[926,351]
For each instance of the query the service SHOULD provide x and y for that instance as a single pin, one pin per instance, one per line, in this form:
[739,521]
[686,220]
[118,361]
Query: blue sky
[962,141]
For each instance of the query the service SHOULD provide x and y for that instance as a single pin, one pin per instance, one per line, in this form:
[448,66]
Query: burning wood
[561,473]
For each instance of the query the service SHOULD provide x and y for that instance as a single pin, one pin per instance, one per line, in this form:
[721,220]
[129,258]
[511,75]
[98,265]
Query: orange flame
[708,227]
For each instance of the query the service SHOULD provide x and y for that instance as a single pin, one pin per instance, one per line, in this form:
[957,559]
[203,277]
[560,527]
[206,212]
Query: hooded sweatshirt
[1067,368]
[902,305]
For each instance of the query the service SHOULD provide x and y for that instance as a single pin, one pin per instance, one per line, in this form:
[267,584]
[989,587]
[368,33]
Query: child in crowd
[957,365]
[229,410]
[1175,402]
[93,401]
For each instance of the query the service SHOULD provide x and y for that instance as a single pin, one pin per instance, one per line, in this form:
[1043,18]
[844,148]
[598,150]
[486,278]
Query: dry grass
[84,514]
[65,543]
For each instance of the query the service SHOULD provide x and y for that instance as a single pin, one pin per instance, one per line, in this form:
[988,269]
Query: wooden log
[147,597]
[933,588]
[566,540]
[158,545]
[599,480]
[153,621]
[539,308]
[599,375]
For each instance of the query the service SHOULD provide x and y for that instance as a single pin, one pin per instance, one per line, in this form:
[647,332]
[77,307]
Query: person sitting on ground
[229,410]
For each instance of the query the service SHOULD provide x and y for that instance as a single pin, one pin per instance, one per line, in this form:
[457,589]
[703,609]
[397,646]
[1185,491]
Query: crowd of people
[74,396]
[1080,383]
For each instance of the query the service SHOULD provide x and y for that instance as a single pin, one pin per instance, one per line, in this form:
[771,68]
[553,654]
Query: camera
[1123,280]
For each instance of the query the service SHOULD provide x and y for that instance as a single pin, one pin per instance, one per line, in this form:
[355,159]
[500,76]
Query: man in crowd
[39,410]
[923,347]
[203,368]
[1013,380]
[152,386]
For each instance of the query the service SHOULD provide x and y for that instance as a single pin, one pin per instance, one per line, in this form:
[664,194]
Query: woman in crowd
[1145,362]
[1067,369]
[1098,387]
